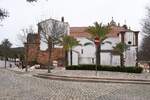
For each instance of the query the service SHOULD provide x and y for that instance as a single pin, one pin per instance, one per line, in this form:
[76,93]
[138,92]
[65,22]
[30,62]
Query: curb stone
[87,79]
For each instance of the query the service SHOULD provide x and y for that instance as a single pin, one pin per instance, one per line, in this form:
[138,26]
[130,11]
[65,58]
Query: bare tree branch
[24,32]
[145,47]
[52,29]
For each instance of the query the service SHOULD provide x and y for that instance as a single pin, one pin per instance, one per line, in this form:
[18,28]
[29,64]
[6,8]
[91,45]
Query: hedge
[106,68]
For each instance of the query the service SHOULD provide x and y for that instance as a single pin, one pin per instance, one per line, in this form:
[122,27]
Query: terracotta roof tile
[81,31]
[115,30]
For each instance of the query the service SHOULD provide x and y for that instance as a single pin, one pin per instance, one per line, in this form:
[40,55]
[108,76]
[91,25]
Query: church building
[85,54]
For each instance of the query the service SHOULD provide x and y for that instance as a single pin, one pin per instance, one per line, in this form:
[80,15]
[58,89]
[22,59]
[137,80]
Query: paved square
[25,87]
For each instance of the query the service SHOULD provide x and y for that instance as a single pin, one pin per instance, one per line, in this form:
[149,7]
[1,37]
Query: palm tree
[119,48]
[68,42]
[99,31]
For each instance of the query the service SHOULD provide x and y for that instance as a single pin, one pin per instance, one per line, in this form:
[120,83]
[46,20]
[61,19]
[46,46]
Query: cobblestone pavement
[86,73]
[102,74]
[25,87]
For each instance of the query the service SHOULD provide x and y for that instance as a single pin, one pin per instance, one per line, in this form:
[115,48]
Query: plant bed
[106,68]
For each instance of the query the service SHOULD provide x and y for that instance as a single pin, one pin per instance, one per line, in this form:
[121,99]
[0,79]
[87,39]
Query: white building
[85,54]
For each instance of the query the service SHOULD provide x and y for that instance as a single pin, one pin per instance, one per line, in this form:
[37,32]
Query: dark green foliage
[106,68]
[7,51]
[17,53]
[32,0]
[6,44]
[98,30]
[3,13]
[68,42]
[120,47]
[5,48]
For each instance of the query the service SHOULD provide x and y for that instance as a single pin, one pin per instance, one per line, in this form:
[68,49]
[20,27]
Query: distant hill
[18,49]
[17,52]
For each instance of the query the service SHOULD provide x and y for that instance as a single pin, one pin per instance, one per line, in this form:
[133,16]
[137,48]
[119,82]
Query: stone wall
[34,54]
[56,55]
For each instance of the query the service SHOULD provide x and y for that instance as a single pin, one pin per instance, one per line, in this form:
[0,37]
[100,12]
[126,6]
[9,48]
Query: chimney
[62,19]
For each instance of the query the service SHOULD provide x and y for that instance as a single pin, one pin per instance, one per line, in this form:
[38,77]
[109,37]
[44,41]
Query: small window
[129,42]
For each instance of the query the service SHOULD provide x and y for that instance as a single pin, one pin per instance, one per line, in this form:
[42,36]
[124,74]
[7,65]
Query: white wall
[115,60]
[129,36]
[75,59]
[130,56]
[86,54]
[130,53]
[107,46]
[87,60]
[106,58]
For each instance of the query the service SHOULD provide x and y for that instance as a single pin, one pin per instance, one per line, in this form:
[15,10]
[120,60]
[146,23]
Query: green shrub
[106,68]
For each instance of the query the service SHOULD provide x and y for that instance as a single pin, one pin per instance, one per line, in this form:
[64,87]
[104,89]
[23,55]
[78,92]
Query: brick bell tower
[32,48]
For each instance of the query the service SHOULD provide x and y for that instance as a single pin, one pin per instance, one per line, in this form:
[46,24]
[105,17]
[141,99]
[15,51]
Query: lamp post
[97,43]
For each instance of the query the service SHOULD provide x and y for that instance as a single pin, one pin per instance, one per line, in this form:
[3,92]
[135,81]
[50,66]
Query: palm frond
[98,30]
[68,42]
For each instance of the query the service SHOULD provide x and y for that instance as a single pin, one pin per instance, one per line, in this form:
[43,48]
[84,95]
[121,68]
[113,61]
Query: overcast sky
[76,12]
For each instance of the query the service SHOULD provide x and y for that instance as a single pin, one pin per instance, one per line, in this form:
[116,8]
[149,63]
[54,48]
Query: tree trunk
[98,49]
[66,58]
[71,57]
[137,57]
[121,54]
[49,57]
[5,62]
[26,62]
[149,67]
[100,54]
[121,60]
